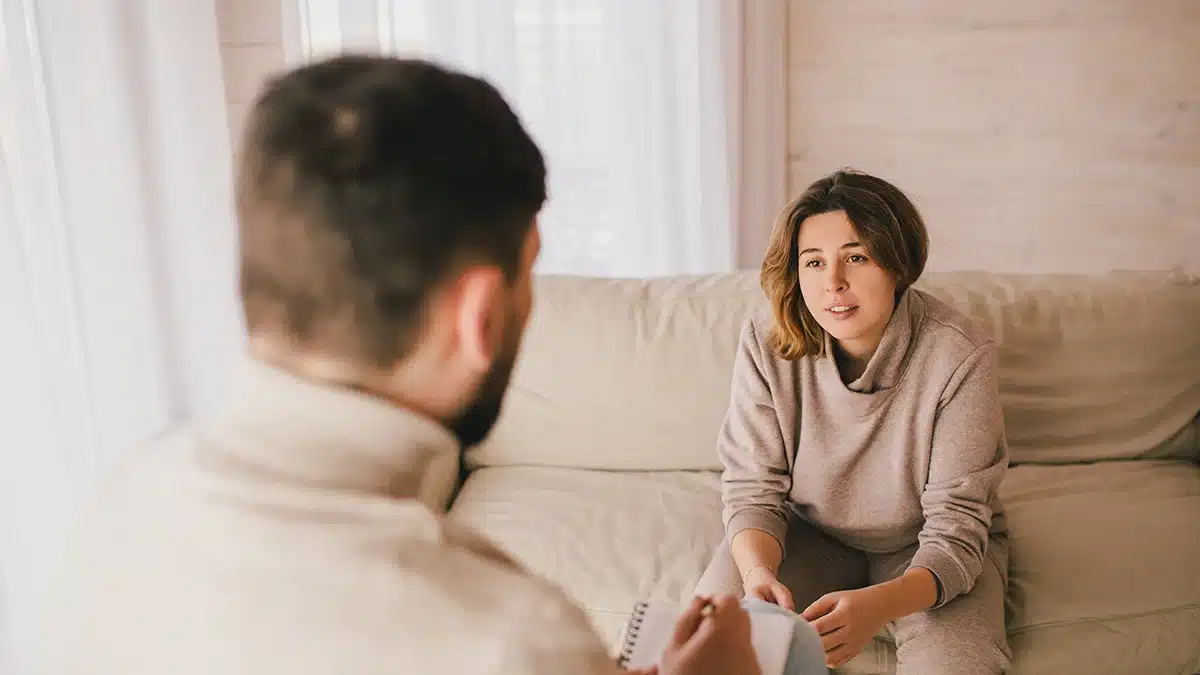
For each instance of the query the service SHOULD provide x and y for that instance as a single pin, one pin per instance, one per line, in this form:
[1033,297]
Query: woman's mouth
[842,311]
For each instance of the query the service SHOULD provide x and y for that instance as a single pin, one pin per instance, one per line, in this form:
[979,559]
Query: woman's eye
[813,263]
[856,258]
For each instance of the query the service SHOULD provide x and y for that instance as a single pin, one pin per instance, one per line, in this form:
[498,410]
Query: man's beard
[475,422]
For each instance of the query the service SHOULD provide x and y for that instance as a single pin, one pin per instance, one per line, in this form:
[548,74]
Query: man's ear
[479,297]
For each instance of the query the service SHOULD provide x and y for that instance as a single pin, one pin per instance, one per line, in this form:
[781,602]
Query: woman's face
[850,295]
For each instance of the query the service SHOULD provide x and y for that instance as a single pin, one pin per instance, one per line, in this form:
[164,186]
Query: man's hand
[847,621]
[711,638]
[762,583]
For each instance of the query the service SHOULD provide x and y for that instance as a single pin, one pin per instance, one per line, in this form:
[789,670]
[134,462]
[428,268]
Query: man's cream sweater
[301,532]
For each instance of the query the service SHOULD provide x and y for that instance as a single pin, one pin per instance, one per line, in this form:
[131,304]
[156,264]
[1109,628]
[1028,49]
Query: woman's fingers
[783,597]
[829,623]
[839,655]
[833,640]
[762,593]
[821,607]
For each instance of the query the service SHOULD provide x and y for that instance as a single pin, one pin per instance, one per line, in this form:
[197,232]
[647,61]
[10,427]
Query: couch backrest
[634,374]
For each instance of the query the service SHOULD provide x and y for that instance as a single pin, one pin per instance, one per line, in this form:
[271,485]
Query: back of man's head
[364,183]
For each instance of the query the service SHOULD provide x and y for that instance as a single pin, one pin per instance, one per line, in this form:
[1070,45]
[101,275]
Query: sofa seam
[1098,619]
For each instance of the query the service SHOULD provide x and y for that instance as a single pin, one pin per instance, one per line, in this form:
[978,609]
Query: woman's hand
[847,621]
[762,583]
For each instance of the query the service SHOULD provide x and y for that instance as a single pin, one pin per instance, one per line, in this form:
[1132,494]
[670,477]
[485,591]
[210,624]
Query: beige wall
[1035,135]
[251,49]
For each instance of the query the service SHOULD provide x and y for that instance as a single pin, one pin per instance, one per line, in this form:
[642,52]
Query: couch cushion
[623,374]
[633,374]
[1104,562]
[1103,556]
[607,538]
[1091,368]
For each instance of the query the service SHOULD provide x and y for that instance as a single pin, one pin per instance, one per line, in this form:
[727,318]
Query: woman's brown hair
[888,226]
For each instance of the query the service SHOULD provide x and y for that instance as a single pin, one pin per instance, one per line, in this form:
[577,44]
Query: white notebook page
[771,635]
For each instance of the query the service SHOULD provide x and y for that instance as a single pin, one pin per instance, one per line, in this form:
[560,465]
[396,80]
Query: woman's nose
[835,281]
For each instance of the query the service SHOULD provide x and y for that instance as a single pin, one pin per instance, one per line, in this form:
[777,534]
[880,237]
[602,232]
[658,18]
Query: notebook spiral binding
[631,633]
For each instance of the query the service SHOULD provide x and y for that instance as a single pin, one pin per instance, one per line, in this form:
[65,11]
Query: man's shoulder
[476,610]
[142,483]
[306,576]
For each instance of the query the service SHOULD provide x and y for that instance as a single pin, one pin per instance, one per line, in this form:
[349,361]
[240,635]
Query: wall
[1035,135]
[251,49]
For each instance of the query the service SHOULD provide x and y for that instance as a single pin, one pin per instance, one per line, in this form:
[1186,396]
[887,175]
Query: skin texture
[836,270]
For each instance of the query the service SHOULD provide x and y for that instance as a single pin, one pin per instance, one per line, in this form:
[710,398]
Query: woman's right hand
[762,583]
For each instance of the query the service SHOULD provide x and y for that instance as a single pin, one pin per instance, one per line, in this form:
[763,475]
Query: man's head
[388,231]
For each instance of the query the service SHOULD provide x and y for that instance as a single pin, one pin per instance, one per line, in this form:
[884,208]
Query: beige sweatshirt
[913,451]
[300,533]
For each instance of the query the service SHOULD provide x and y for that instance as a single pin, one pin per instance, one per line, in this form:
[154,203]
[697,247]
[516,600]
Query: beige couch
[602,474]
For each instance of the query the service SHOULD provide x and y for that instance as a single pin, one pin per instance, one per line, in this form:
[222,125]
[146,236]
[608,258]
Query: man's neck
[400,388]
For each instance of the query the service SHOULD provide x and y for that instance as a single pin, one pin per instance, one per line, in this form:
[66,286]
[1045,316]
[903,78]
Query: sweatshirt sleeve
[757,479]
[968,459]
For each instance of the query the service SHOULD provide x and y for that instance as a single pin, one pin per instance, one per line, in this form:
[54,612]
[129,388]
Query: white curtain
[116,256]
[661,120]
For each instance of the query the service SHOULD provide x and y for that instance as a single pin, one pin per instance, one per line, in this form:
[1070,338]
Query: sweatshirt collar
[334,437]
[887,364]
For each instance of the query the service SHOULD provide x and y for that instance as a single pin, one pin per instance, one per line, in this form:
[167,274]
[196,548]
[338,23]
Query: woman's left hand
[847,621]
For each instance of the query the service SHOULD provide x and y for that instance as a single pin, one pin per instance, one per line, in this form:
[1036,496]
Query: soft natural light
[640,177]
[990,449]
[115,234]
[8,121]
[118,252]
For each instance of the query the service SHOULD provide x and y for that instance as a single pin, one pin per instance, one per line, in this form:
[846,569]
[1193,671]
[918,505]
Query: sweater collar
[887,364]
[334,437]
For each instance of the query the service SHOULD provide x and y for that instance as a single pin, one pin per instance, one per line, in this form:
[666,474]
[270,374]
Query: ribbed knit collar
[334,437]
[887,364]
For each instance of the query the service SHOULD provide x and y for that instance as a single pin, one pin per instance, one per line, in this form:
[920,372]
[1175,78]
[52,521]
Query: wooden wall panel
[1035,135]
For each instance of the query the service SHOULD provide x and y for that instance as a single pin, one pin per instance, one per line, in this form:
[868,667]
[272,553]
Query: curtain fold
[637,105]
[662,123]
[116,256]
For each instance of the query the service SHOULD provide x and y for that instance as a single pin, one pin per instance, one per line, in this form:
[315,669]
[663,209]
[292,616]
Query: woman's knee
[966,636]
[721,577]
[946,650]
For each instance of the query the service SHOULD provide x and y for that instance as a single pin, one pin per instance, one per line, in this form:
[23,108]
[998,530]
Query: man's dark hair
[363,183]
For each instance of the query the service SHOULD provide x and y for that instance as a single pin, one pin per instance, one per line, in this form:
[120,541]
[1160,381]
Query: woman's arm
[757,479]
[967,462]
[753,549]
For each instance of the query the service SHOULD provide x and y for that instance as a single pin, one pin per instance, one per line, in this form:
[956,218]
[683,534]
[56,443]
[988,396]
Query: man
[388,232]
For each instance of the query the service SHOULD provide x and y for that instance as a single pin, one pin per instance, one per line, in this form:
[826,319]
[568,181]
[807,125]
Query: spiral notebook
[653,622]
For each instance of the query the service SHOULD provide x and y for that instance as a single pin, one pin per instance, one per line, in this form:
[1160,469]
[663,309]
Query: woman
[864,443]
